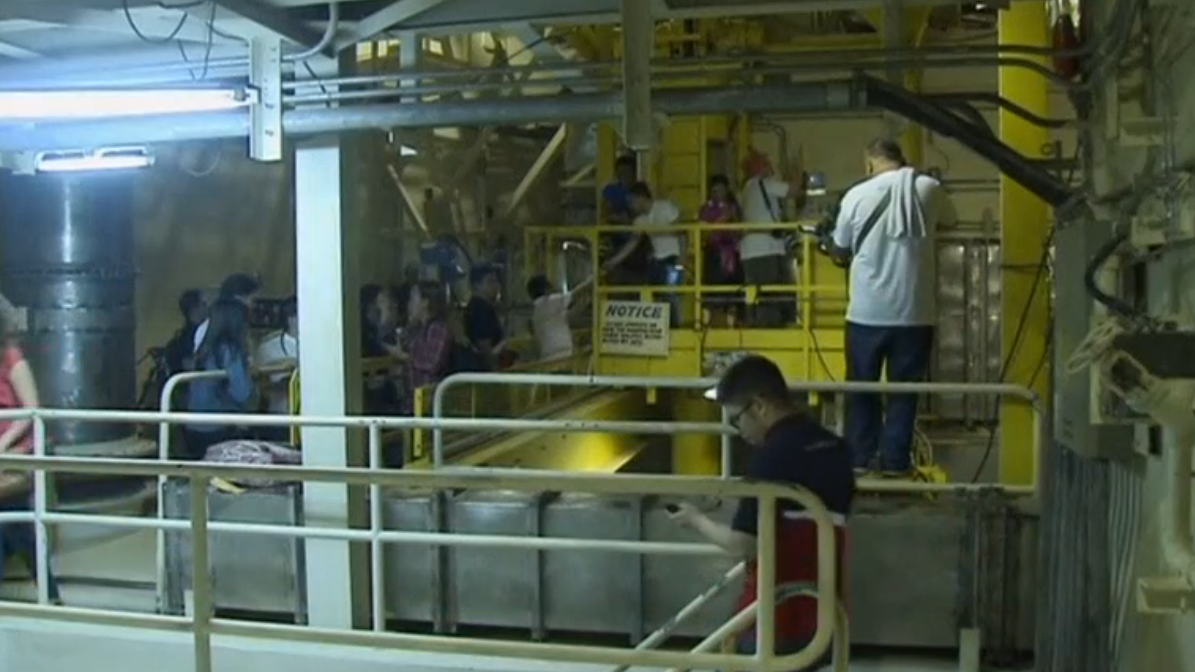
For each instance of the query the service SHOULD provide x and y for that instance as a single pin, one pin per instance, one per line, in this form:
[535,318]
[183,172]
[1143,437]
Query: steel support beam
[272,19]
[807,97]
[265,117]
[410,57]
[387,18]
[545,158]
[327,248]
[902,25]
[545,50]
[638,41]
[1025,221]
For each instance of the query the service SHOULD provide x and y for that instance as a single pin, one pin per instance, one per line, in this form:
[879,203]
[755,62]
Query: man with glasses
[791,448]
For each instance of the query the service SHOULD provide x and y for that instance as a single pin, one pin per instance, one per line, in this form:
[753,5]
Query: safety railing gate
[1018,393]
[203,624]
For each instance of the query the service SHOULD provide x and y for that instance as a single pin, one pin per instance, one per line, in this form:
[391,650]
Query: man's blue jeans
[906,353]
[746,646]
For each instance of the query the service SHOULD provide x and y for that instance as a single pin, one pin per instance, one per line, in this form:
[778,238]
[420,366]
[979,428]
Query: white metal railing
[1001,389]
[203,624]
[166,403]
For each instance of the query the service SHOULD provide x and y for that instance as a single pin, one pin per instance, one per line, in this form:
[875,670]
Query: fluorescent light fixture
[90,104]
[407,150]
[115,158]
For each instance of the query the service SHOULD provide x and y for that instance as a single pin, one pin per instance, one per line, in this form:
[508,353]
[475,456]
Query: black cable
[128,16]
[211,40]
[1112,303]
[817,350]
[1018,336]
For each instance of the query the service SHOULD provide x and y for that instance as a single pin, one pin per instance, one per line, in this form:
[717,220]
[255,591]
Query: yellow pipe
[695,454]
[1025,224]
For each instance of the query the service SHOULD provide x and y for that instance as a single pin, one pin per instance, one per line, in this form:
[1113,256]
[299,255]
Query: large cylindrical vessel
[66,257]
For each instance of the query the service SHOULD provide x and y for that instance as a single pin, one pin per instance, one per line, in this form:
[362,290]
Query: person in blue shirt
[616,209]
[616,196]
[225,347]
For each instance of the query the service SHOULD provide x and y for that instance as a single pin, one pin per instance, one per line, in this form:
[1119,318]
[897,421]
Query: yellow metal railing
[471,401]
[819,287]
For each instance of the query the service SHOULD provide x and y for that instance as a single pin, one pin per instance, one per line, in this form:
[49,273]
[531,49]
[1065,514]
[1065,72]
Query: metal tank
[66,257]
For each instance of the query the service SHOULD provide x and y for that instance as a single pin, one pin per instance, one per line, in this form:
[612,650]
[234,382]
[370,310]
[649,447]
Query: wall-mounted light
[90,104]
[114,158]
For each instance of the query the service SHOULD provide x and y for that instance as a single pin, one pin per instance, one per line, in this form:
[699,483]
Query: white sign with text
[635,328]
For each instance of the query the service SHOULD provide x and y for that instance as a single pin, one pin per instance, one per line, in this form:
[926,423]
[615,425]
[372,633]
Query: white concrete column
[327,248]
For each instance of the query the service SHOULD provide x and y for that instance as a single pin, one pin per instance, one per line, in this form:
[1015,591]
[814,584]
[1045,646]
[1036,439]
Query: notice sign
[635,328]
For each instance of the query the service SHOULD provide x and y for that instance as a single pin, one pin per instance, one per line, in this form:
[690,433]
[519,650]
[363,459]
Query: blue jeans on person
[870,432]
[668,272]
[745,645]
[17,539]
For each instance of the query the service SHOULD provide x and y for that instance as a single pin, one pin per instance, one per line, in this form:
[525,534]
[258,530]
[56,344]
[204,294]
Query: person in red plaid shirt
[428,340]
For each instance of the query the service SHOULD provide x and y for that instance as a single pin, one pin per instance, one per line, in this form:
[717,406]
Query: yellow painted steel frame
[513,402]
[1025,221]
[593,452]
[810,350]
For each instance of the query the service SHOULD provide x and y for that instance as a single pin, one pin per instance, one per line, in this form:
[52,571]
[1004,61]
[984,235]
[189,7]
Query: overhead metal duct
[841,95]
[576,107]
[67,258]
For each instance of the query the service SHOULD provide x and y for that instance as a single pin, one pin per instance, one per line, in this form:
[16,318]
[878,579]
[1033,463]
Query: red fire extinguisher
[1066,41]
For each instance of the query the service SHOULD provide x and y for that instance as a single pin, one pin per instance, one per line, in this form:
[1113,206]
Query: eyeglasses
[736,417]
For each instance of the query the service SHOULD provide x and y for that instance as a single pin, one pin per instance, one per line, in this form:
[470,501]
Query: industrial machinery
[1149,365]
[67,261]
[960,562]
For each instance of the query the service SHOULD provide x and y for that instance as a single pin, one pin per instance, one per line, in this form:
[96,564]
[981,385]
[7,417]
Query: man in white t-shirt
[550,316]
[667,266]
[764,253]
[887,227]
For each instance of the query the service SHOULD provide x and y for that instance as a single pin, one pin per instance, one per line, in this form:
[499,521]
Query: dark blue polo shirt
[798,450]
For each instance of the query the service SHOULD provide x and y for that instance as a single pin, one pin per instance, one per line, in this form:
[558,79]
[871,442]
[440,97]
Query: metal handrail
[665,631]
[201,474]
[166,401]
[649,382]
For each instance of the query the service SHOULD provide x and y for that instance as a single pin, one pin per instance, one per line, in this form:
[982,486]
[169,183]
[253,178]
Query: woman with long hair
[429,339]
[225,347]
[18,389]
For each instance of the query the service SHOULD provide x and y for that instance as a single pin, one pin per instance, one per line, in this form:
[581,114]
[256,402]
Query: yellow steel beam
[914,24]
[916,20]
[1025,223]
[695,454]
[573,451]
[545,159]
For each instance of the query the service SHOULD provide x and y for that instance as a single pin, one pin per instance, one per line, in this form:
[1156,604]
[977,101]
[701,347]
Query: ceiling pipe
[325,39]
[142,65]
[812,97]
[856,94]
